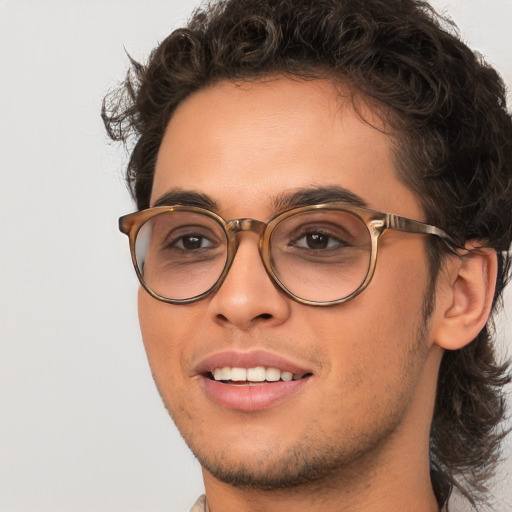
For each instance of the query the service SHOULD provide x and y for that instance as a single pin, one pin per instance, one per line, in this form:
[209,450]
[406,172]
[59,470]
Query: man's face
[364,368]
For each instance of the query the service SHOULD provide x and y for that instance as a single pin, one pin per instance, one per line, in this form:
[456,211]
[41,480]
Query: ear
[465,294]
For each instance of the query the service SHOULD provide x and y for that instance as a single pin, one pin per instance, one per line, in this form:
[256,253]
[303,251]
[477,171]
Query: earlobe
[466,297]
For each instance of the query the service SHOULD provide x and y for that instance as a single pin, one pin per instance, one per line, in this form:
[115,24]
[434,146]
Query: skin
[355,436]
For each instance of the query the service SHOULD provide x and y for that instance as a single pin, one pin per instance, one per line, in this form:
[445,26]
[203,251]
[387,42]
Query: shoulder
[200,505]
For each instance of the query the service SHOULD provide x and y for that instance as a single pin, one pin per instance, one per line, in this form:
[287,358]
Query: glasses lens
[180,254]
[323,255]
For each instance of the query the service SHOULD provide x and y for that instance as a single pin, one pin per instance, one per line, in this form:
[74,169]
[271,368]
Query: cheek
[153,324]
[401,277]
[374,343]
[164,331]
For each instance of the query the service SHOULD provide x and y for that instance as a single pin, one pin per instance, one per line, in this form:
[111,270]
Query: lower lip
[248,398]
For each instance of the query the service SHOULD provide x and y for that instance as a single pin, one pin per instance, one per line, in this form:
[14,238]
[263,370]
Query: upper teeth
[257,374]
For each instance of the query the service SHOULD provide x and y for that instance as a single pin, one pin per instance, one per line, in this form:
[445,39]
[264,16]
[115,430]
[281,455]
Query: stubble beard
[313,463]
[316,461]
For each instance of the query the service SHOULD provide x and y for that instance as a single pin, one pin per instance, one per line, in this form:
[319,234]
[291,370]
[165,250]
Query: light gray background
[81,425]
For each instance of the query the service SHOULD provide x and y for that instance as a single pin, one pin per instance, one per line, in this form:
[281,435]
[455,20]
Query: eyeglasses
[318,255]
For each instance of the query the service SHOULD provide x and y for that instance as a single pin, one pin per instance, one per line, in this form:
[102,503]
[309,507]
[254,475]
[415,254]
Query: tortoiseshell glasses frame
[294,238]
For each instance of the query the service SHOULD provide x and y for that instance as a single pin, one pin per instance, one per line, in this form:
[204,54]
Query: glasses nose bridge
[239,225]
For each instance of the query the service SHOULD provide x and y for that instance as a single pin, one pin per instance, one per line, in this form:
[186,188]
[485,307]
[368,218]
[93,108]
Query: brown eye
[317,241]
[192,242]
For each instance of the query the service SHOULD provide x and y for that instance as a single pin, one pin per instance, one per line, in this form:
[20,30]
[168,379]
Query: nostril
[226,319]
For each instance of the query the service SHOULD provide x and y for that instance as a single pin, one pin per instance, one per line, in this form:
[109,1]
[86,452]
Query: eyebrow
[187,198]
[285,201]
[317,195]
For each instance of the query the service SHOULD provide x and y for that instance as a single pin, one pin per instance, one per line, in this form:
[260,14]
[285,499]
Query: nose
[248,297]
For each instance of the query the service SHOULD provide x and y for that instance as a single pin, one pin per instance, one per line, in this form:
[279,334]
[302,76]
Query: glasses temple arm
[415,226]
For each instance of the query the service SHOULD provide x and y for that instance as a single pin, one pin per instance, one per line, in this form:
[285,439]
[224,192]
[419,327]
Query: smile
[253,375]
[249,381]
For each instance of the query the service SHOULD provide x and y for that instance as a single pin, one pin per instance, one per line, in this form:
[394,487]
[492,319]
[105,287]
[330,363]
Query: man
[279,146]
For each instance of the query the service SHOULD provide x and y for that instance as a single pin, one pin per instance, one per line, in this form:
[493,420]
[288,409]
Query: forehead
[244,144]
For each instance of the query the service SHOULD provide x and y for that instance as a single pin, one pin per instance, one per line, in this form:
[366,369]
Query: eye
[192,242]
[317,240]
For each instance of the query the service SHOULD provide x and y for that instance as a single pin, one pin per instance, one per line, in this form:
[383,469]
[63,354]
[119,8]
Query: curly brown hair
[452,134]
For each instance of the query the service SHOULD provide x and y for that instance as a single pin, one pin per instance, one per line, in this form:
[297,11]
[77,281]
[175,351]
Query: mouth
[253,380]
[254,376]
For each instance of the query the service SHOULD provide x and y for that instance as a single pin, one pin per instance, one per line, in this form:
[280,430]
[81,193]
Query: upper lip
[251,359]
